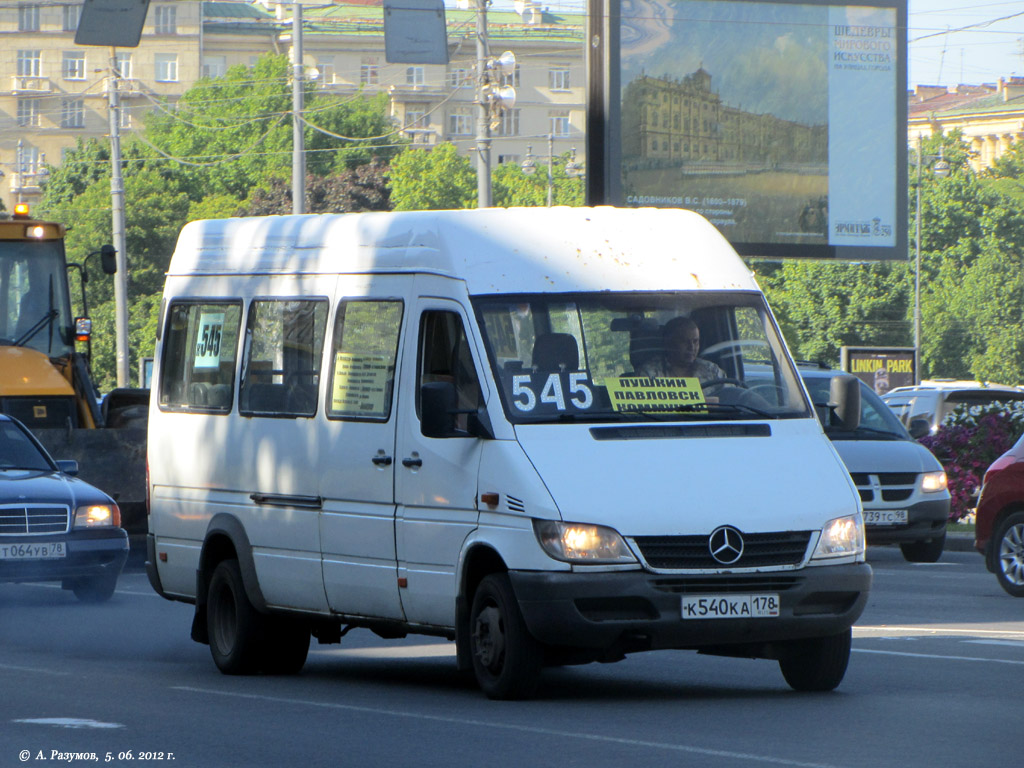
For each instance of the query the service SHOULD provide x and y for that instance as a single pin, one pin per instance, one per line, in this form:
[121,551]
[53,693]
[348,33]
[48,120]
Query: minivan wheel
[818,664]
[1009,554]
[235,626]
[924,551]
[507,660]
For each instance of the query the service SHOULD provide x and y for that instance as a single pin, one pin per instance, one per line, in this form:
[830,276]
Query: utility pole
[117,224]
[483,125]
[298,143]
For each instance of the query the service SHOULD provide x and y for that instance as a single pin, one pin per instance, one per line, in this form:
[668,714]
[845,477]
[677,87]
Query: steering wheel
[722,382]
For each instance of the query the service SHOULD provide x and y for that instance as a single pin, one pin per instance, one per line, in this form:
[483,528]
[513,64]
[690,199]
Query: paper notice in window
[360,384]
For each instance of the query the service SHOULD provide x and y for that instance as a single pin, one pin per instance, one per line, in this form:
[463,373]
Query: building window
[369,72]
[510,122]
[325,66]
[28,112]
[414,76]
[505,159]
[73,65]
[215,66]
[460,123]
[30,64]
[28,18]
[559,124]
[459,77]
[124,65]
[165,19]
[513,79]
[124,117]
[72,113]
[70,15]
[558,78]
[166,65]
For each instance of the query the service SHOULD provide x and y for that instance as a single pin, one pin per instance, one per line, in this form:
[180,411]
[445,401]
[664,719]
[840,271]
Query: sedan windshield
[17,451]
[638,356]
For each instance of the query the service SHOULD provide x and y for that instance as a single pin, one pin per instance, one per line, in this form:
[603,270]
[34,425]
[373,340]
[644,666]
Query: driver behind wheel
[681,343]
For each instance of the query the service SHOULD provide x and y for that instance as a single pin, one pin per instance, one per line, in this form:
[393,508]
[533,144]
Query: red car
[999,527]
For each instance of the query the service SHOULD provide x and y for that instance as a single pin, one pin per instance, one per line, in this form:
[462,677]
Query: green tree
[435,179]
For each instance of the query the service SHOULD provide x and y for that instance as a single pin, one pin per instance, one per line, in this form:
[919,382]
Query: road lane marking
[882,631]
[529,729]
[34,670]
[941,657]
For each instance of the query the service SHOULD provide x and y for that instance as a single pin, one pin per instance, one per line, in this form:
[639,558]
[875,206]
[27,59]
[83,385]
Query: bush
[968,441]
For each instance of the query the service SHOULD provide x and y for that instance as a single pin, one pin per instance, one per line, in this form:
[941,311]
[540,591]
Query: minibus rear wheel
[818,664]
[507,659]
[235,626]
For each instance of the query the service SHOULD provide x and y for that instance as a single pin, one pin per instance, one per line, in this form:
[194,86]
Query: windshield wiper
[872,431]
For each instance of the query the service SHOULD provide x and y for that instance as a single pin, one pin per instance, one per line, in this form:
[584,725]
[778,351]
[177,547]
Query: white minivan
[445,423]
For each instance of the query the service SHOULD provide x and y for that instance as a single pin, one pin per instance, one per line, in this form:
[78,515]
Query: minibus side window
[445,356]
[200,346]
[284,341]
[363,359]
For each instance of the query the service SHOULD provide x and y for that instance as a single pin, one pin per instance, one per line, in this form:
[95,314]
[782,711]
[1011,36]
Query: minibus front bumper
[625,611]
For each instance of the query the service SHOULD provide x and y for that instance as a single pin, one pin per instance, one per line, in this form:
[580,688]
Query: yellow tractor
[47,384]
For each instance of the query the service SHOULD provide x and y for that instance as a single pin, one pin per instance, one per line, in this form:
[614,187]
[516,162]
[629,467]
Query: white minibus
[552,436]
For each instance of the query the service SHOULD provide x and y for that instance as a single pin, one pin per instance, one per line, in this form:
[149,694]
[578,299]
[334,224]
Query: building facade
[990,117]
[53,92]
[684,121]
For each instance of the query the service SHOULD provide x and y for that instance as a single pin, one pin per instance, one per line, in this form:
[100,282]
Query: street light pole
[917,273]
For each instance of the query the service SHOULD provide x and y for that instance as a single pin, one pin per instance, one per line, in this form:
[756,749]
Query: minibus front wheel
[507,660]
[817,664]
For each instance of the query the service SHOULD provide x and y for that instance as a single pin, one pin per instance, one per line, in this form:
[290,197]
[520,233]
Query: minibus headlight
[841,537]
[579,543]
[97,516]
[933,482]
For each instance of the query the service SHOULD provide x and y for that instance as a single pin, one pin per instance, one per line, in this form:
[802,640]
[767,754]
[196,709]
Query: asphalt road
[934,681]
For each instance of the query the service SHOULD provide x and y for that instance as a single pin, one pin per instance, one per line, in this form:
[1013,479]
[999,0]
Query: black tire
[1008,554]
[95,589]
[818,664]
[924,551]
[286,646]
[236,628]
[507,660]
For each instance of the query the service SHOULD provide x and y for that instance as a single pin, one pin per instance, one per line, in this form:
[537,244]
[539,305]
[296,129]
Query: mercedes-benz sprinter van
[471,424]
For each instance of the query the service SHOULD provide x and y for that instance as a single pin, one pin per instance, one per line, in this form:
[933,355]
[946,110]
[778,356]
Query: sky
[958,41]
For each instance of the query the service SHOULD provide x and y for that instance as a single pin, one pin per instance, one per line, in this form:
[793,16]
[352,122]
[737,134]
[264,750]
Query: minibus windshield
[698,355]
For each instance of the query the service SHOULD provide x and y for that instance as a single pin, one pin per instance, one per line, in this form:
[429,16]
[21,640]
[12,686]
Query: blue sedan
[54,526]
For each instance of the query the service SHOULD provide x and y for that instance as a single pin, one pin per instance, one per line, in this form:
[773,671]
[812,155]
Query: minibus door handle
[382,461]
[412,462]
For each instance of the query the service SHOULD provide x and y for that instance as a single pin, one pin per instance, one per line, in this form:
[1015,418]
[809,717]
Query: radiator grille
[889,487]
[18,520]
[760,550]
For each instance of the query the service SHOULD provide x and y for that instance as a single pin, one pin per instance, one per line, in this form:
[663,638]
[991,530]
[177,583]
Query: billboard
[784,123]
[881,368]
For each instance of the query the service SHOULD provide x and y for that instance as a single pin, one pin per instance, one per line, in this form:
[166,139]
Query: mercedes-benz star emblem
[726,544]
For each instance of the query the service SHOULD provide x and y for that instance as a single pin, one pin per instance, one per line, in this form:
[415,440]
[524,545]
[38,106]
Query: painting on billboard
[778,121]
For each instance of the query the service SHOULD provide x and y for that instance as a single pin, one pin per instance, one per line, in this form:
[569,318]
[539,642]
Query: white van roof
[495,250]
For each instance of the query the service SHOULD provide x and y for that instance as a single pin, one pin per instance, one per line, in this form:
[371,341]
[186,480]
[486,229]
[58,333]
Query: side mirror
[919,428]
[844,397]
[68,466]
[438,414]
[108,259]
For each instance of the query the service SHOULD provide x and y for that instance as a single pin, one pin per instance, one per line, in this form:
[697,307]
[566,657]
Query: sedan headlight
[579,543]
[841,537]
[933,482]
[97,516]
